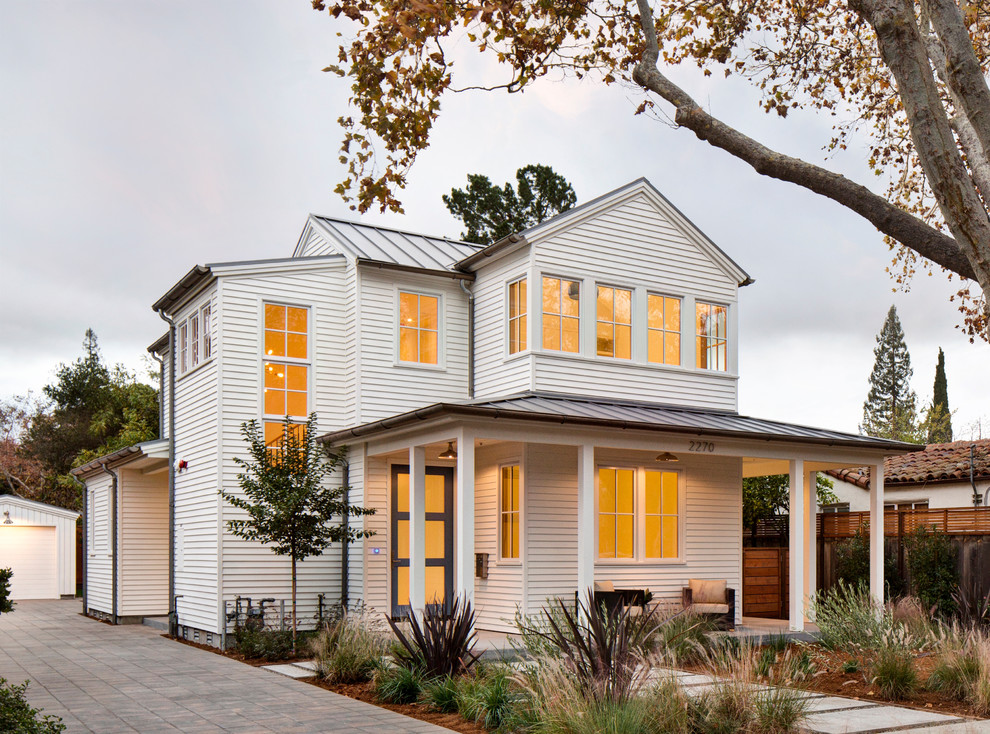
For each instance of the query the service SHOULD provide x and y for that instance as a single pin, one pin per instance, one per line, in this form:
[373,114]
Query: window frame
[639,516]
[510,560]
[524,314]
[560,315]
[194,339]
[615,324]
[441,363]
[711,340]
[679,332]
[270,418]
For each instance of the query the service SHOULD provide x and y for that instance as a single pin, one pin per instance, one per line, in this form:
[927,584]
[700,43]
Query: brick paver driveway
[106,679]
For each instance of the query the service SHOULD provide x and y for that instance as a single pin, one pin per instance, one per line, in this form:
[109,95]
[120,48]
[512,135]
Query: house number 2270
[706,447]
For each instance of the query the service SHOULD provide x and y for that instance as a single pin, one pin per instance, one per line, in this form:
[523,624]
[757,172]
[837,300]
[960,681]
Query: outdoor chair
[711,599]
[607,596]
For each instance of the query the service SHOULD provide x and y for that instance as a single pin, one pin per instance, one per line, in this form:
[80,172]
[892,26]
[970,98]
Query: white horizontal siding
[65,538]
[143,580]
[495,374]
[388,387]
[99,560]
[315,245]
[497,597]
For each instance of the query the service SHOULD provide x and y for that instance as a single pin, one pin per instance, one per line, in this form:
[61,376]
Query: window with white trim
[195,341]
[509,512]
[285,365]
[711,328]
[561,315]
[663,324]
[419,328]
[517,316]
[639,514]
[614,328]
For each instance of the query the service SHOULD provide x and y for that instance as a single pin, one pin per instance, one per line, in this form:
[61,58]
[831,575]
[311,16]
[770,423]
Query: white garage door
[30,552]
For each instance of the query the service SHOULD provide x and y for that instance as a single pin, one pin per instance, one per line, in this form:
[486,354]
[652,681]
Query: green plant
[798,666]
[931,561]
[441,694]
[6,605]
[348,651]
[847,616]
[680,636]
[442,643]
[263,644]
[776,642]
[955,674]
[894,674]
[850,666]
[852,563]
[777,710]
[397,684]
[765,663]
[18,717]
[488,699]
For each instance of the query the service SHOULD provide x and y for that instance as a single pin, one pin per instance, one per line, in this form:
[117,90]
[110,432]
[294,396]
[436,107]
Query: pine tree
[940,418]
[890,409]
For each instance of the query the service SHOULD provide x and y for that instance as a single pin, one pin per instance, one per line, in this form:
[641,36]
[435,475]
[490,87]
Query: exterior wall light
[6,518]
[666,458]
[449,452]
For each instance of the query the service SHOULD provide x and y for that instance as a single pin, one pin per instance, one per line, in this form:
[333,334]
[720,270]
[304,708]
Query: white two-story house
[526,418]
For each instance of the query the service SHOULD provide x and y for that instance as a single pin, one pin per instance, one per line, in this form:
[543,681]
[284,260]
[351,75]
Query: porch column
[811,540]
[417,528]
[797,545]
[464,519]
[586,518]
[876,532]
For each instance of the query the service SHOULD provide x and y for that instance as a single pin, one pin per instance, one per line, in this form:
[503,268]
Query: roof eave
[384,265]
[511,241]
[190,282]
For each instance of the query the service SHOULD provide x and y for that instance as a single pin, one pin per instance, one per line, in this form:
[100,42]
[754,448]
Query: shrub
[397,684]
[954,674]
[262,644]
[847,617]
[852,563]
[850,666]
[347,651]
[777,710]
[973,610]
[442,644]
[6,605]
[441,694]
[680,635]
[931,561]
[16,715]
[893,673]
[488,699]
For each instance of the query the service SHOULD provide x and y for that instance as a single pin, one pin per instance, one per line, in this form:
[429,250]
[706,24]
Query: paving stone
[836,703]
[877,718]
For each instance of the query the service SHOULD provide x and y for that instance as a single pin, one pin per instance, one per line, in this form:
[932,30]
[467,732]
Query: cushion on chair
[710,608]
[604,586]
[704,591]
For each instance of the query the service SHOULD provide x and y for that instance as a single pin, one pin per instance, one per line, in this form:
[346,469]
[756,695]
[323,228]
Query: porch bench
[711,599]
[606,595]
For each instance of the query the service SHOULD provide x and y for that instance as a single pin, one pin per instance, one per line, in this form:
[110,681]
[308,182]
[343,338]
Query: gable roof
[592,207]
[621,414]
[388,245]
[157,449]
[16,499]
[938,463]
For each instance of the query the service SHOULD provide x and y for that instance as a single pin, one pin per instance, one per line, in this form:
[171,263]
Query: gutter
[470,297]
[114,541]
[171,465]
[382,265]
[492,249]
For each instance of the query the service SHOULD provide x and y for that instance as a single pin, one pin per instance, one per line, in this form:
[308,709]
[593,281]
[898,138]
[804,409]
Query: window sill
[420,366]
[673,368]
[640,562]
[194,370]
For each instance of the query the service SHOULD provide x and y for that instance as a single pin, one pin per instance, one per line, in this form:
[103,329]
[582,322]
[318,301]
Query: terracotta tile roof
[939,462]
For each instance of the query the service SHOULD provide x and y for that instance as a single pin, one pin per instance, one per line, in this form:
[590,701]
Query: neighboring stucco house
[526,418]
[943,475]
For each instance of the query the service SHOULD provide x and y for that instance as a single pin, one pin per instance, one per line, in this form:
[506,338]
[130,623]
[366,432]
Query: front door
[439,536]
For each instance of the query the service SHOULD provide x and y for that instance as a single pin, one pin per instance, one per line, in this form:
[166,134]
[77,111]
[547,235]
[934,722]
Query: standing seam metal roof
[368,242]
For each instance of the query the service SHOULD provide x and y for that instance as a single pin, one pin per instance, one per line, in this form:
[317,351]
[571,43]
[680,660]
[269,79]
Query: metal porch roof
[632,415]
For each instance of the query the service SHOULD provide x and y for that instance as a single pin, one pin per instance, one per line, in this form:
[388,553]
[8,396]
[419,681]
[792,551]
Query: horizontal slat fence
[897,523]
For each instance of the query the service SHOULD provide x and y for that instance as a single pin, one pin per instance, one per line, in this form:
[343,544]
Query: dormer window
[561,315]
[517,316]
[712,336]
[419,328]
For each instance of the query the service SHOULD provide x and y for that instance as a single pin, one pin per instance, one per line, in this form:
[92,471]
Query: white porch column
[417,528]
[797,545]
[586,518]
[876,532]
[464,519]
[811,540]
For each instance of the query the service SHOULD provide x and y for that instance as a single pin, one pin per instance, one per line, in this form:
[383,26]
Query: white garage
[37,542]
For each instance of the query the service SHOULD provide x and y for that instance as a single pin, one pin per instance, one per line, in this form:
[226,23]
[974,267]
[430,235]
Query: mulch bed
[256,662]
[362,692]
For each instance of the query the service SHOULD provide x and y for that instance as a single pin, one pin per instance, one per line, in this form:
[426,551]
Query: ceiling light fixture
[449,453]
[666,458]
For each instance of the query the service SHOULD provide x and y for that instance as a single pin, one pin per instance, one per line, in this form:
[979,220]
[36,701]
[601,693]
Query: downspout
[113,541]
[172,614]
[345,477]
[977,499]
[470,297]
[85,544]
[161,391]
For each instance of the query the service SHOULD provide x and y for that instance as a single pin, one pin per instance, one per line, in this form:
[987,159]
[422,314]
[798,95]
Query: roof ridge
[397,230]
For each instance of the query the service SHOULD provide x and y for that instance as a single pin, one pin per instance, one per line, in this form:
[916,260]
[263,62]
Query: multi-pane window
[614,322]
[712,336]
[561,315]
[663,322]
[517,316]
[205,324]
[184,348]
[616,513]
[285,368]
[509,512]
[194,341]
[419,328]
[662,516]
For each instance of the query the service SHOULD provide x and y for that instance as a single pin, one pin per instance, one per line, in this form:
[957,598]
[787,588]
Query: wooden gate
[765,583]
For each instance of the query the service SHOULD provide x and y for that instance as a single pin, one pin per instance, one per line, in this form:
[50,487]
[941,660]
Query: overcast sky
[138,139]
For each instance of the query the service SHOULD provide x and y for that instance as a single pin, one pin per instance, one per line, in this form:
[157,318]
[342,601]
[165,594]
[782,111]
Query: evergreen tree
[890,409]
[491,213]
[940,418]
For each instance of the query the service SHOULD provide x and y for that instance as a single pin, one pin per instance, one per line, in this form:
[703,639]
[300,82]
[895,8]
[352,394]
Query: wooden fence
[765,583]
[898,523]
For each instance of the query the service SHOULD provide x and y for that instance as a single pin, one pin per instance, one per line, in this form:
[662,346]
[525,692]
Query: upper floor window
[195,346]
[561,315]
[509,512]
[614,322]
[419,328]
[517,316]
[286,374]
[712,335]
[663,323]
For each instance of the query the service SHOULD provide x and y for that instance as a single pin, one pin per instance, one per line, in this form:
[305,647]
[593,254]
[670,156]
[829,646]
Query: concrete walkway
[106,679]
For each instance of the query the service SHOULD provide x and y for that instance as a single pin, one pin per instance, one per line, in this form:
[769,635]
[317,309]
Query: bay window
[614,330]
[561,315]
[517,316]
[663,324]
[712,336]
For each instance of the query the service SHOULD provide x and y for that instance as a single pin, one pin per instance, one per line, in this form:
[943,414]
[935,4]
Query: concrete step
[159,623]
